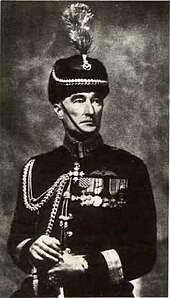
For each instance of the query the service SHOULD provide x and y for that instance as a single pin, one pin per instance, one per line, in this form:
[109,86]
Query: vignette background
[131,39]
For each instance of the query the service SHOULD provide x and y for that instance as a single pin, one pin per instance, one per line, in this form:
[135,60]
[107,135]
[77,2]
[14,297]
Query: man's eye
[79,100]
[97,100]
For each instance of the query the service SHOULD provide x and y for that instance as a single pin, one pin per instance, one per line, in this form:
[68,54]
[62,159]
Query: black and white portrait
[84,142]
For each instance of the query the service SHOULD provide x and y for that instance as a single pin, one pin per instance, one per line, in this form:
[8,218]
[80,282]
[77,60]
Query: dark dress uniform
[111,208]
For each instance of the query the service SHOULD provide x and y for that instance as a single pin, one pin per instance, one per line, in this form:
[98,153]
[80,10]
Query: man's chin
[88,131]
[88,128]
[84,134]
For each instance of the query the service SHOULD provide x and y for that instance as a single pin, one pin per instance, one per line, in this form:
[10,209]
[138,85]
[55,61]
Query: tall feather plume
[77,17]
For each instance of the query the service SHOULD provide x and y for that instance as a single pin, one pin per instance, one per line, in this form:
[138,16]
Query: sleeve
[22,233]
[137,250]
[133,256]
[114,265]
[104,271]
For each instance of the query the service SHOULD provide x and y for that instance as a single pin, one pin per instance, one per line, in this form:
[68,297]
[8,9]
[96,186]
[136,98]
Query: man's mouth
[88,121]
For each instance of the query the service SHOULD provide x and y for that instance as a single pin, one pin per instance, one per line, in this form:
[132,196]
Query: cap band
[79,81]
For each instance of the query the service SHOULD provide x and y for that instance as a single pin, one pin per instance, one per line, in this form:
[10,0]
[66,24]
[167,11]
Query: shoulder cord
[29,200]
[57,188]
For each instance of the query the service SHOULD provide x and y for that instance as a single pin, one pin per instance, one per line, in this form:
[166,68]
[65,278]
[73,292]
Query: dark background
[131,38]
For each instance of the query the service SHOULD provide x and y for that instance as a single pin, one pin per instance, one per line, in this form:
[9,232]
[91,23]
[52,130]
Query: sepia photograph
[84,149]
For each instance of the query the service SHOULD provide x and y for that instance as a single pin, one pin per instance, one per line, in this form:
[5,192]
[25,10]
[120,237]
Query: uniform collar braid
[82,149]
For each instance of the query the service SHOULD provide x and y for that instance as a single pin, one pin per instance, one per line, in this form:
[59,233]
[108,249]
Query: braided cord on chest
[34,204]
[62,183]
[31,203]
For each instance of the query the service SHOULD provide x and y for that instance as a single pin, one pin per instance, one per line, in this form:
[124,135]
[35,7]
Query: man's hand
[68,265]
[45,250]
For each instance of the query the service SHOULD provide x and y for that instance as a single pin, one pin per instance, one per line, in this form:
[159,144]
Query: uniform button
[69,233]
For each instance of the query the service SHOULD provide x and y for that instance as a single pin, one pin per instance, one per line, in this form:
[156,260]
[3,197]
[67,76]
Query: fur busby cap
[70,76]
[78,73]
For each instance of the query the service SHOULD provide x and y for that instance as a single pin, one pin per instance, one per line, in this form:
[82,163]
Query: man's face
[85,109]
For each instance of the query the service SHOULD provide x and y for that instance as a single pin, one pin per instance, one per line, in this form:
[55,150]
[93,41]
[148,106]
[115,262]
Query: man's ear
[58,110]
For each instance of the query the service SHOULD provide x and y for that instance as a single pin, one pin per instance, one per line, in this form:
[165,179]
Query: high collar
[82,149]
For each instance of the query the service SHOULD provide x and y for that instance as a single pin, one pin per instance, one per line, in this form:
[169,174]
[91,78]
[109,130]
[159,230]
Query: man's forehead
[89,94]
[83,94]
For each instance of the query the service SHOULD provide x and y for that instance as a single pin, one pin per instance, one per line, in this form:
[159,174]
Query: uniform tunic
[112,216]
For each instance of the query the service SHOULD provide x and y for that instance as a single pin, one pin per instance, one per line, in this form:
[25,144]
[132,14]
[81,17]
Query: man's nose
[89,107]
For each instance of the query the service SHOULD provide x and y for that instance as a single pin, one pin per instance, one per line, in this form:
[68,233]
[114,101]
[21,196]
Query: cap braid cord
[78,81]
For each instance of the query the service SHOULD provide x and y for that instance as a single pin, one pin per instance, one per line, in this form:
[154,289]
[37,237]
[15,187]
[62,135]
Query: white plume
[77,17]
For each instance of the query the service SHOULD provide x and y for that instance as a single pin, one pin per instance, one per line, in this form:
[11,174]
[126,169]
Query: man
[85,218]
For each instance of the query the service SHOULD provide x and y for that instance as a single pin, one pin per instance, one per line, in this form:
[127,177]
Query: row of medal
[92,188]
[95,191]
[96,185]
[97,201]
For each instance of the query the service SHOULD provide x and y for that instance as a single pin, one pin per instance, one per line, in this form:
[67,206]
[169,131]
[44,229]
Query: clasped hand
[46,251]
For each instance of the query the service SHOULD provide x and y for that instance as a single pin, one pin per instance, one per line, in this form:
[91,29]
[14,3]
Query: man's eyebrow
[77,95]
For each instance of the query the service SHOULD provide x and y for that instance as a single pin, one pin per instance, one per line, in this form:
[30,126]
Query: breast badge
[106,192]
